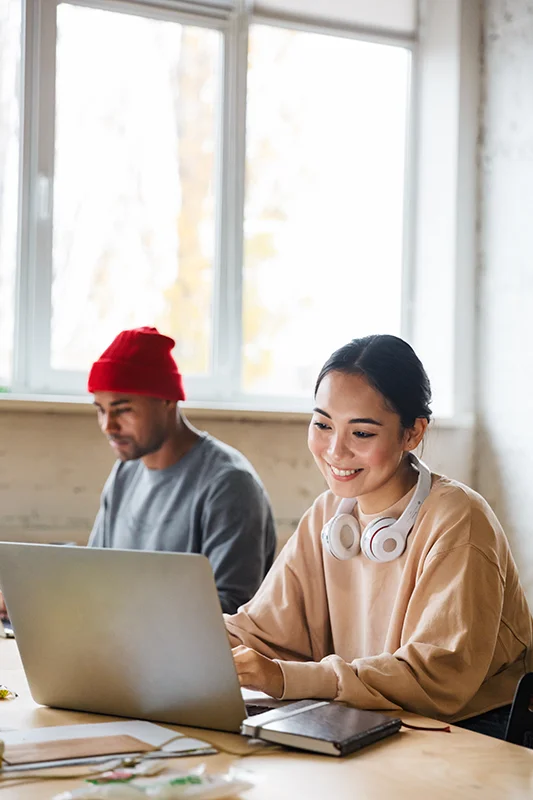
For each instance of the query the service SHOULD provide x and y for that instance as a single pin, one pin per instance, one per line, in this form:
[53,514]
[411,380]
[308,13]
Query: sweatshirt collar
[396,510]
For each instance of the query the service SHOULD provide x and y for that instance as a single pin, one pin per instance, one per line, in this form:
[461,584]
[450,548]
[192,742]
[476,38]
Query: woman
[429,616]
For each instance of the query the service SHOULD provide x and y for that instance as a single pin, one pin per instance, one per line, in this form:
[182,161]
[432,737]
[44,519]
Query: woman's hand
[258,672]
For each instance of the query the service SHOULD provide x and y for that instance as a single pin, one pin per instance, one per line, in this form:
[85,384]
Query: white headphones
[383,539]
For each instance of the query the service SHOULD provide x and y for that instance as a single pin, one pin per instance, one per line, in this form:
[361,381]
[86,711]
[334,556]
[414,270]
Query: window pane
[10,52]
[326,140]
[134,222]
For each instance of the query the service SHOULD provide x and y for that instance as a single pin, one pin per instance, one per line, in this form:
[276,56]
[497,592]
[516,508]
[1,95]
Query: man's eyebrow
[122,402]
[357,421]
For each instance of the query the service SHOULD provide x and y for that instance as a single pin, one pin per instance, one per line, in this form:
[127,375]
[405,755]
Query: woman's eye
[363,435]
[321,426]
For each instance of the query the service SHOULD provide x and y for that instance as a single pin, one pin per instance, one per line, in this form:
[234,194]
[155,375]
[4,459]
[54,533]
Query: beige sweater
[444,631]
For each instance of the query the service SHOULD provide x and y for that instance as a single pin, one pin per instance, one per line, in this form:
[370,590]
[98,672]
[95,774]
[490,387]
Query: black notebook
[322,726]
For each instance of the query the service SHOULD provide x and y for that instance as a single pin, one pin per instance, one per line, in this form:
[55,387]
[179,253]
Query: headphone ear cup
[381,541]
[341,537]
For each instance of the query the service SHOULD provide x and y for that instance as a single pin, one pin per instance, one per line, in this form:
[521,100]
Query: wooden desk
[413,765]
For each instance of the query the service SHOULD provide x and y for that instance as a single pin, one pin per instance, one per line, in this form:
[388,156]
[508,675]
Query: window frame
[32,371]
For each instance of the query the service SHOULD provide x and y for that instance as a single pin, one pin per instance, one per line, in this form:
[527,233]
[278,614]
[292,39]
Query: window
[325,174]
[10,61]
[242,179]
[134,183]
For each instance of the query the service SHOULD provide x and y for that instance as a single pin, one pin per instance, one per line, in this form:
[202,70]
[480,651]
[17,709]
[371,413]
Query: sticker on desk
[195,784]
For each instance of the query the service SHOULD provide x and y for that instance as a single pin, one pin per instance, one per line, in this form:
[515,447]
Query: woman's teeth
[343,473]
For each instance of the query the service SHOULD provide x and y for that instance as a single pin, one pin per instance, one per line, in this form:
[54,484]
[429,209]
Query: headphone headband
[406,521]
[384,537]
[423,486]
[346,506]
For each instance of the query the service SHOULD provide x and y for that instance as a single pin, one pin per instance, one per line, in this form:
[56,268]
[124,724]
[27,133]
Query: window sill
[52,404]
[63,404]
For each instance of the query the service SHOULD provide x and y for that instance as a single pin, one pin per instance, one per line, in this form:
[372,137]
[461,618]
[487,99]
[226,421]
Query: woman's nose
[338,448]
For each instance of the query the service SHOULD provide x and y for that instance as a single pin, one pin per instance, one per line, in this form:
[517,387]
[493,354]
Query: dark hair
[392,367]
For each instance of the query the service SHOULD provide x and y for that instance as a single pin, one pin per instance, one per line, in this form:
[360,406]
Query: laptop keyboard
[252,709]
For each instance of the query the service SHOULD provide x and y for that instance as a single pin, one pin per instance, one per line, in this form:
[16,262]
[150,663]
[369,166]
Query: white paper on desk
[145,731]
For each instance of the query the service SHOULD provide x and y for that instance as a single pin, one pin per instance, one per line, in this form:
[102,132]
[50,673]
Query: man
[173,487]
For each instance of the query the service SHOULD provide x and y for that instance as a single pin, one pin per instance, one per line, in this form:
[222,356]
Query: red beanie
[138,362]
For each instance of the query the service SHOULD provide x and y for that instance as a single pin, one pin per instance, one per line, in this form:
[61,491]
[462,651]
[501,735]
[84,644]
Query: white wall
[504,460]
[53,466]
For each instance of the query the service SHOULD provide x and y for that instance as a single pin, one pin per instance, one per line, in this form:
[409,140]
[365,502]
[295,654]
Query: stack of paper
[64,745]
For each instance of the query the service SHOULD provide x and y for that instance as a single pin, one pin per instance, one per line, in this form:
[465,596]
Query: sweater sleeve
[448,641]
[238,536]
[99,534]
[285,619]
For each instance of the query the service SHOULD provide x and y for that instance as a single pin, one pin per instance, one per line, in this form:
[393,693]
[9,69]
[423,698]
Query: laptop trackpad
[258,702]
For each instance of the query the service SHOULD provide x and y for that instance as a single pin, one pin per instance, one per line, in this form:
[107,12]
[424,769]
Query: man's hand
[3,609]
[258,672]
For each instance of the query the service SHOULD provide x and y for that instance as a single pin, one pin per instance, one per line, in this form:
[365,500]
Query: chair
[520,724]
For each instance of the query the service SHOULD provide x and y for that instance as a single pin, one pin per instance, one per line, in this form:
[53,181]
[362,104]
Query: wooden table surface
[409,766]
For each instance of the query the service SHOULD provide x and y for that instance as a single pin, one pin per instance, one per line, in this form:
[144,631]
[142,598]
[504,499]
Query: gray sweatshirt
[211,501]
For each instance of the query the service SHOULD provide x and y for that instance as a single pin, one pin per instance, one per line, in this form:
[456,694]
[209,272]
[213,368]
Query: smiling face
[134,425]
[359,444]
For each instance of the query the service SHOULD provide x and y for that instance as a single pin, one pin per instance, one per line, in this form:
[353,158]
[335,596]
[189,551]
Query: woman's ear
[413,436]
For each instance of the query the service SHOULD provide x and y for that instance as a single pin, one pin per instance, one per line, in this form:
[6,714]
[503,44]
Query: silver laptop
[122,632]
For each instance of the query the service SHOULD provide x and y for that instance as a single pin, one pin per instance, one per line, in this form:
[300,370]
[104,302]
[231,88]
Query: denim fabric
[491,723]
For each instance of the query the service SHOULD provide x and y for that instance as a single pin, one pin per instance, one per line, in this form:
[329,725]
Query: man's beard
[134,450]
